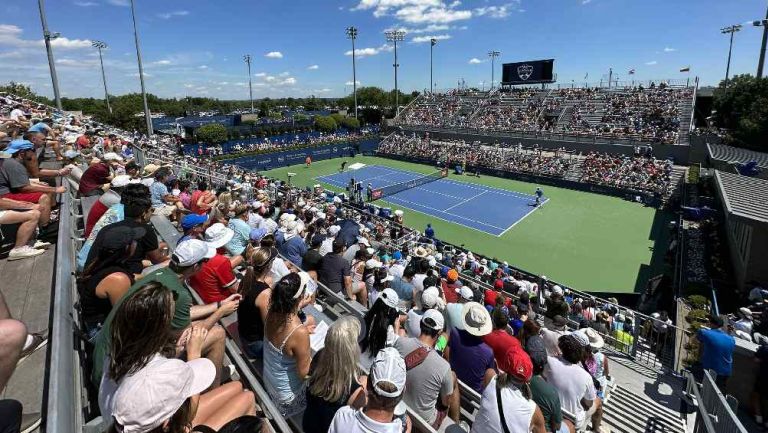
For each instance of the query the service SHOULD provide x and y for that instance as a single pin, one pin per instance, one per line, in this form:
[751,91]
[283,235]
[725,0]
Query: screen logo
[524,72]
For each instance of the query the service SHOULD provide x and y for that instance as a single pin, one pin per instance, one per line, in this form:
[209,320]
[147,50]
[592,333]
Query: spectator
[449,285]
[96,178]
[186,261]
[202,199]
[382,323]
[334,270]
[530,334]
[193,226]
[574,385]
[384,387]
[27,216]
[286,347]
[470,358]
[552,336]
[742,327]
[595,362]
[16,185]
[256,292]
[555,305]
[335,378]
[163,202]
[141,388]
[760,392]
[107,277]
[241,231]
[432,390]
[544,394]
[216,280]
[430,299]
[717,351]
[429,232]
[110,198]
[507,399]
[499,339]
[292,247]
[312,258]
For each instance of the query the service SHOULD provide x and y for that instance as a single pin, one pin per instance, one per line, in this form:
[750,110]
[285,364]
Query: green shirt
[181,318]
[546,397]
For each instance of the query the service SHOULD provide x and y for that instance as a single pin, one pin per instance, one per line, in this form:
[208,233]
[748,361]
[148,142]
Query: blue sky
[195,47]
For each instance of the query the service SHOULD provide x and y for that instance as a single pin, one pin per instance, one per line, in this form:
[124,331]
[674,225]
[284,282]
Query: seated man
[49,135]
[185,262]
[110,198]
[95,180]
[27,215]
[16,185]
[163,202]
[32,164]
[471,359]
[216,280]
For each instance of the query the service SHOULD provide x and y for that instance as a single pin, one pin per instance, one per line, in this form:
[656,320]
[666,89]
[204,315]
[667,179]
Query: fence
[715,412]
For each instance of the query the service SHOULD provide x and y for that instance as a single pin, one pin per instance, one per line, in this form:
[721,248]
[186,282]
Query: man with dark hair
[432,390]
[717,350]
[95,179]
[574,384]
[333,270]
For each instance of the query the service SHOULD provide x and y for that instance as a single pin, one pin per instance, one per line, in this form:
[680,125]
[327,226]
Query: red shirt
[94,177]
[449,290]
[500,342]
[214,279]
[83,142]
[97,210]
[207,199]
[490,298]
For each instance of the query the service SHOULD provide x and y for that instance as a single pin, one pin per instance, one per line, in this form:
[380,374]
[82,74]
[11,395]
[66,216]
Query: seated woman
[383,323]
[107,278]
[140,367]
[287,353]
[256,292]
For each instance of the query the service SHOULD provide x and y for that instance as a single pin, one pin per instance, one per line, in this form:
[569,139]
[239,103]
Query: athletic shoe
[23,252]
[40,245]
[30,422]
[39,339]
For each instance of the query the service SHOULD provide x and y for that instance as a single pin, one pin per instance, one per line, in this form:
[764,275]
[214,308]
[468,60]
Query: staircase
[630,412]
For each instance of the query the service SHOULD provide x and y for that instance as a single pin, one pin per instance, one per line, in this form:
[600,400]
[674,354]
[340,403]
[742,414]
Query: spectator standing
[551,336]
[429,231]
[544,394]
[335,380]
[717,351]
[470,358]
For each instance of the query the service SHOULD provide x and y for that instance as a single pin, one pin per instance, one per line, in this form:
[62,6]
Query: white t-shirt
[518,411]
[16,113]
[418,287]
[413,323]
[278,270]
[453,316]
[348,420]
[573,384]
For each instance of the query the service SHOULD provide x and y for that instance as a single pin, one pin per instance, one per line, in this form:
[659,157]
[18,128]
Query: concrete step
[630,412]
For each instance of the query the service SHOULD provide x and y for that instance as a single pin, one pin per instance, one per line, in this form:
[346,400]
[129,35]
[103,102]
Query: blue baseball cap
[18,145]
[193,220]
[257,233]
[397,255]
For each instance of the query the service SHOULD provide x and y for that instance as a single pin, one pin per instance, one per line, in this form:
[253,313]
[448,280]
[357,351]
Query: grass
[590,242]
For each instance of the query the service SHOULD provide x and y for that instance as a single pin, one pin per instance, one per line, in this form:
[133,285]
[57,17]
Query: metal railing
[715,413]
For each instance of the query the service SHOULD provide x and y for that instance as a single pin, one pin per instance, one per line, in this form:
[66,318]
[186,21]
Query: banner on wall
[284,158]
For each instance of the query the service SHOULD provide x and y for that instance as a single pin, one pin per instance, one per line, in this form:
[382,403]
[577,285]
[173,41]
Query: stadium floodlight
[729,30]
[247,58]
[147,114]
[48,37]
[99,45]
[493,55]
[394,36]
[761,60]
[432,43]
[351,33]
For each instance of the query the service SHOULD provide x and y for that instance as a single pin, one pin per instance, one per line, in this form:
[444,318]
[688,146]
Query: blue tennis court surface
[490,210]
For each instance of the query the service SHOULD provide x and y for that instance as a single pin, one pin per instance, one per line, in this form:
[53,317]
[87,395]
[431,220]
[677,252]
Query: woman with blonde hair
[336,380]
[220,213]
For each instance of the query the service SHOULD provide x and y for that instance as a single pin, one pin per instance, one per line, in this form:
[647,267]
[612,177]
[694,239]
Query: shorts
[29,197]
[358,287]
[582,423]
[164,210]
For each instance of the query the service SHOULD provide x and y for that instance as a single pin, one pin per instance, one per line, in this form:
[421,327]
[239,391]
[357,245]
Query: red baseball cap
[498,284]
[517,364]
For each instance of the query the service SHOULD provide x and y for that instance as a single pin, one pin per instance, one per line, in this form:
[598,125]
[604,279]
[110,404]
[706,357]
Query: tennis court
[490,210]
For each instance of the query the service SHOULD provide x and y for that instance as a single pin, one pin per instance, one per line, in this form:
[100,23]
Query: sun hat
[465,292]
[581,337]
[193,220]
[363,240]
[112,156]
[149,170]
[120,181]
[453,275]
[430,297]
[147,398]
[595,340]
[517,364]
[390,298]
[436,320]
[420,252]
[188,253]
[388,367]
[476,319]
[287,217]
[218,235]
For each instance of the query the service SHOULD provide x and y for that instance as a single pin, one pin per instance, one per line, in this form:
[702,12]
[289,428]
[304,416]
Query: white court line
[447,213]
[522,218]
[465,201]
[481,186]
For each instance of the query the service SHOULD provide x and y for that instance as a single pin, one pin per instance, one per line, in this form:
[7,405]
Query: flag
[631,72]
[685,69]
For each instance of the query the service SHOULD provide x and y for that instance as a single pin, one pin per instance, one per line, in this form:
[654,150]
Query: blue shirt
[158,191]
[403,288]
[240,240]
[716,351]
[429,232]
[40,127]
[293,249]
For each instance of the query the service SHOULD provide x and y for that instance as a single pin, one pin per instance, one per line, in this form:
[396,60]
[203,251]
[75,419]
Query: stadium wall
[284,158]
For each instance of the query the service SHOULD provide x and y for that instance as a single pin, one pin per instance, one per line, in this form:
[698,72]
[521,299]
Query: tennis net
[413,183]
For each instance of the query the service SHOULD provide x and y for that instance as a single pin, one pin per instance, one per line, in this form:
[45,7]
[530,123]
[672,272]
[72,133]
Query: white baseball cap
[218,235]
[364,241]
[430,297]
[152,395]
[112,156]
[436,319]
[465,292]
[389,298]
[389,367]
[334,230]
[190,252]
[373,264]
[557,289]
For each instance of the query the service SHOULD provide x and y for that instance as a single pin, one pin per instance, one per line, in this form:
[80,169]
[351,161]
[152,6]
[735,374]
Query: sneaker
[30,422]
[39,339]
[41,245]
[24,252]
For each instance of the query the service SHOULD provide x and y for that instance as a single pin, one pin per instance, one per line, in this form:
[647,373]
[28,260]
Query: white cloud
[164,62]
[202,67]
[349,83]
[323,90]
[422,39]
[475,61]
[260,74]
[290,81]
[136,75]
[367,52]
[10,35]
[313,67]
[669,50]
[85,4]
[652,63]
[285,74]
[274,55]
[416,11]
[119,2]
[501,11]
[169,15]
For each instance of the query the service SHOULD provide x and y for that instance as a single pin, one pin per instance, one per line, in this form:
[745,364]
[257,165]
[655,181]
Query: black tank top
[249,323]
[96,309]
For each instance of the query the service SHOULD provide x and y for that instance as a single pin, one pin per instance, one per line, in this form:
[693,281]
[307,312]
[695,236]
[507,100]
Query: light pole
[761,61]
[395,36]
[51,64]
[729,30]
[432,43]
[351,33]
[493,55]
[247,58]
[99,45]
[147,114]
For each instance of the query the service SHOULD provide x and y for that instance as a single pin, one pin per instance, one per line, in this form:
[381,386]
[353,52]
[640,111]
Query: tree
[743,108]
[325,123]
[212,133]
[350,123]
[338,118]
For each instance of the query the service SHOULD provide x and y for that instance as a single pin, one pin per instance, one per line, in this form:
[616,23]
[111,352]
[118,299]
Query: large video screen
[530,72]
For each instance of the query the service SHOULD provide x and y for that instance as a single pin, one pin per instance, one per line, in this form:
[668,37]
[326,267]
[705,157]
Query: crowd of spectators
[642,173]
